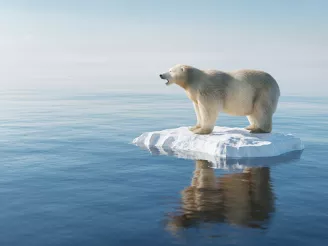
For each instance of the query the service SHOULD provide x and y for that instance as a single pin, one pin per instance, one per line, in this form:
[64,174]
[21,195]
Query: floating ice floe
[222,146]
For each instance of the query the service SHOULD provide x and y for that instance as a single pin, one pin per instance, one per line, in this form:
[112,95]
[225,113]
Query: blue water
[70,176]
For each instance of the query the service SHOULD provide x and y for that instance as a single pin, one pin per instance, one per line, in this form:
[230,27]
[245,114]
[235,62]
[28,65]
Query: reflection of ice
[224,148]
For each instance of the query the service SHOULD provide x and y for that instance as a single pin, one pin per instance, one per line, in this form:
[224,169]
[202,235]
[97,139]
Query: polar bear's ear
[183,68]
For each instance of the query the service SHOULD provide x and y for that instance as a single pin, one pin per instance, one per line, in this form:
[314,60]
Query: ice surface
[222,144]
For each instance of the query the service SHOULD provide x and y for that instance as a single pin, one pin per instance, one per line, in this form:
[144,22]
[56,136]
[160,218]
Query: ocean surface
[70,176]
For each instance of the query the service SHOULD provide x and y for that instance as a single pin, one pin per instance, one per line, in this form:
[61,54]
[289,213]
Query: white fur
[248,93]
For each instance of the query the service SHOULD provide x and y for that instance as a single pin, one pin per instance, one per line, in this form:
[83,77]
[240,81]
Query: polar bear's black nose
[161,76]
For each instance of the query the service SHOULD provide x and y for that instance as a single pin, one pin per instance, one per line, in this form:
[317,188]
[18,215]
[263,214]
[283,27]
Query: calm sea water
[70,176]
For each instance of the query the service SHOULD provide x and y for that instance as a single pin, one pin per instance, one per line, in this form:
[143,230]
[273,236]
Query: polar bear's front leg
[209,110]
[198,117]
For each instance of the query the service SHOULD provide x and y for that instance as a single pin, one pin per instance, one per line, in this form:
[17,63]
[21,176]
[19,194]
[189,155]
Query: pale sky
[104,45]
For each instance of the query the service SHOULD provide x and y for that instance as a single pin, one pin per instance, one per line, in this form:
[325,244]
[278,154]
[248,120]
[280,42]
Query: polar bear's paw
[258,130]
[250,127]
[194,127]
[202,131]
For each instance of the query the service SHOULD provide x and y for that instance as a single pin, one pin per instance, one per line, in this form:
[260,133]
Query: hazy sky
[126,44]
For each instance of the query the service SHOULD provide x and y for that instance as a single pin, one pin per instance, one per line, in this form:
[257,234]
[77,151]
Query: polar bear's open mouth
[167,81]
[162,76]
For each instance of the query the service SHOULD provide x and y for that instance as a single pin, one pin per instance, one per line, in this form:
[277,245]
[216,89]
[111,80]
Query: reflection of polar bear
[244,199]
[250,93]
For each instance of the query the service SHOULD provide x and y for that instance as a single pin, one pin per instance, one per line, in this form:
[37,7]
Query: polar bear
[250,93]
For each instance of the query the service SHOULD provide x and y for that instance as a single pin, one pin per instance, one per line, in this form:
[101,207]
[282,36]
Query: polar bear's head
[176,74]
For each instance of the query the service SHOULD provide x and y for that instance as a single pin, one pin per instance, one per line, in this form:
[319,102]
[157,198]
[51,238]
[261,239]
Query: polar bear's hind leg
[262,116]
[251,123]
